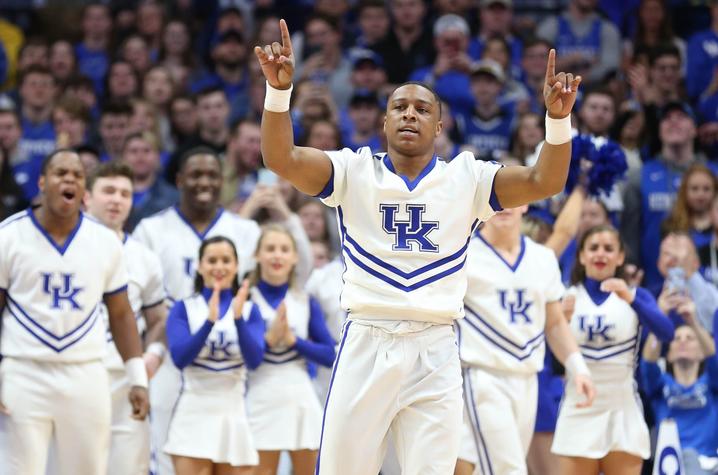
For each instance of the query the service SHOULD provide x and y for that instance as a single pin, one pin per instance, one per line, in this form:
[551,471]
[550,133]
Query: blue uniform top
[701,61]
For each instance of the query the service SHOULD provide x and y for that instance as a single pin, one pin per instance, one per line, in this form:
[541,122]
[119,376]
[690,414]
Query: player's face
[684,346]
[412,120]
[218,264]
[276,257]
[601,255]
[110,200]
[200,182]
[63,184]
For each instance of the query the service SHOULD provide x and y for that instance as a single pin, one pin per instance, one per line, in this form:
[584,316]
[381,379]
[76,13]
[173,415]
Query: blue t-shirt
[476,49]
[93,64]
[454,87]
[694,408]
[701,61]
[490,137]
[237,93]
[567,42]
[37,141]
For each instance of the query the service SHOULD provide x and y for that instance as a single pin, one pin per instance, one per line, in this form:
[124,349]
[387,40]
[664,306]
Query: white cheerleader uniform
[608,333]
[283,406]
[209,420]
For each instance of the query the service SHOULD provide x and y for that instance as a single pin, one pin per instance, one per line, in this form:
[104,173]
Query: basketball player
[56,269]
[175,235]
[109,200]
[511,312]
[405,219]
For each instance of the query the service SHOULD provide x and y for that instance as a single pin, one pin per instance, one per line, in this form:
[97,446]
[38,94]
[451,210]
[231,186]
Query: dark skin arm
[127,341]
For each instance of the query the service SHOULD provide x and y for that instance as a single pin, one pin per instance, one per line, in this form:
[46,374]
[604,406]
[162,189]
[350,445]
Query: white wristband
[558,131]
[277,100]
[156,348]
[575,364]
[136,372]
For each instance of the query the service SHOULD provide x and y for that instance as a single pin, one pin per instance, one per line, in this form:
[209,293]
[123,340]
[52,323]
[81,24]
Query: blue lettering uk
[516,308]
[598,328]
[412,231]
[65,292]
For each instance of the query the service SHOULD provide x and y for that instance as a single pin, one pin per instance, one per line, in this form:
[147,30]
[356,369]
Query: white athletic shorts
[130,438]
[499,420]
[63,404]
[402,377]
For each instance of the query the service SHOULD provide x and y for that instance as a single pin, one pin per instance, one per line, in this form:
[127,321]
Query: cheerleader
[611,436]
[211,336]
[283,407]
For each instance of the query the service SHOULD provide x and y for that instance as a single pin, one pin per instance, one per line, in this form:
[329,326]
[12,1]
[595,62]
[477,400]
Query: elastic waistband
[401,328]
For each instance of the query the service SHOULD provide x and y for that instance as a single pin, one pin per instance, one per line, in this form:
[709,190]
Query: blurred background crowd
[143,81]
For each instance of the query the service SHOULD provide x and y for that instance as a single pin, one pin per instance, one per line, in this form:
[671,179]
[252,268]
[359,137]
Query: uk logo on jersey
[412,231]
[66,291]
[596,329]
[517,307]
[220,348]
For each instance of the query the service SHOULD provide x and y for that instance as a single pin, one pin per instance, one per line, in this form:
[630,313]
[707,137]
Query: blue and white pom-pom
[596,162]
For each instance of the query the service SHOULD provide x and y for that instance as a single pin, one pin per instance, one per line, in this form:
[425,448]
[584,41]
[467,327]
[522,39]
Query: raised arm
[308,169]
[516,186]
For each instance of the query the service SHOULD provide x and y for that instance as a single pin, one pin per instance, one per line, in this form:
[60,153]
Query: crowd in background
[145,81]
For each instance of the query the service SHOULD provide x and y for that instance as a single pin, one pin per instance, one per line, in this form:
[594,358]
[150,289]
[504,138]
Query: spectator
[322,254]
[702,57]
[368,71]
[230,74]
[135,50]
[677,251]
[158,89]
[496,19]
[691,212]
[629,131]
[314,220]
[82,88]
[93,59]
[597,112]
[212,127]
[312,102]
[586,44]
[449,75]
[242,162]
[151,194]
[324,61]
[651,193]
[514,93]
[37,92]
[653,30]
[34,52]
[529,133]
[89,156]
[373,22]
[12,199]
[489,126]
[323,133]
[62,61]
[183,119]
[71,120]
[409,45]
[533,65]
[176,52]
[362,126]
[687,391]
[123,82]
[114,127]
[150,22]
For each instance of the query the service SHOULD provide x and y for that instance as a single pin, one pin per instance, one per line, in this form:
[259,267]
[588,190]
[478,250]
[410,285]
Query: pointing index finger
[286,39]
[551,66]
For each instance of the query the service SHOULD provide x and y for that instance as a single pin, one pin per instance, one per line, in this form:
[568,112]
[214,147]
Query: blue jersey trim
[601,348]
[56,348]
[329,187]
[497,333]
[410,184]
[153,304]
[201,236]
[518,259]
[610,355]
[474,418]
[12,219]
[329,391]
[493,198]
[61,249]
[286,360]
[216,370]
[43,329]
[536,345]
[116,291]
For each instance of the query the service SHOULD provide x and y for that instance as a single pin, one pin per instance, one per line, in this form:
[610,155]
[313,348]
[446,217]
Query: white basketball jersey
[220,363]
[404,243]
[506,307]
[54,292]
[144,289]
[297,304]
[607,334]
[325,285]
[176,242]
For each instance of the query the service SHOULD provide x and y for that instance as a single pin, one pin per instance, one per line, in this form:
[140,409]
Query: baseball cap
[679,106]
[361,56]
[489,67]
[364,96]
[451,22]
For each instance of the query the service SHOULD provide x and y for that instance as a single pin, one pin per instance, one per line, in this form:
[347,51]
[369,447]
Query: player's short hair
[198,279]
[51,156]
[109,169]
[200,150]
[425,86]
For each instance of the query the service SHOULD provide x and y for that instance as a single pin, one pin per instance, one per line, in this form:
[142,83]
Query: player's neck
[409,166]
[58,227]
[505,240]
[199,218]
